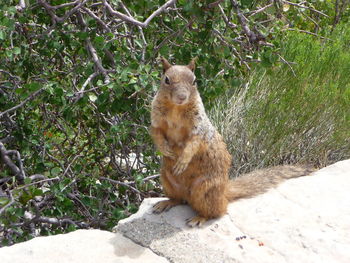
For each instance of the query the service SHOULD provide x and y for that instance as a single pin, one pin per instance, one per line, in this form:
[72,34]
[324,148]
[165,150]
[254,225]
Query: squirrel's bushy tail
[259,181]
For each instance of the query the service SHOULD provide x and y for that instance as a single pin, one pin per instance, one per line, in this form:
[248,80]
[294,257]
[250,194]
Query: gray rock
[87,246]
[303,220]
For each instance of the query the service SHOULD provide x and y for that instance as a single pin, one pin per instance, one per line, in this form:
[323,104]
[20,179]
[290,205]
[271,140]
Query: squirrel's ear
[165,63]
[192,64]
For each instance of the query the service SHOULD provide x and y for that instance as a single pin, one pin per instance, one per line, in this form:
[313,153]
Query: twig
[38,182]
[306,7]
[8,204]
[214,4]
[121,183]
[132,20]
[7,160]
[252,37]
[8,73]
[172,35]
[228,23]
[30,97]
[252,13]
[18,155]
[308,32]
[288,63]
[58,221]
[92,14]
[70,164]
[21,5]
[93,51]
[75,198]
[87,81]
[49,8]
[150,177]
[141,32]
[97,60]
[37,177]
[65,4]
[234,50]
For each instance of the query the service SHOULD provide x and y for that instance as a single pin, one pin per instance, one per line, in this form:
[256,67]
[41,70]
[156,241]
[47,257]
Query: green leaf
[16,50]
[27,180]
[3,201]
[12,10]
[83,35]
[56,171]
[36,192]
[58,91]
[2,35]
[32,86]
[92,97]
[188,6]
[8,53]
[118,213]
[246,3]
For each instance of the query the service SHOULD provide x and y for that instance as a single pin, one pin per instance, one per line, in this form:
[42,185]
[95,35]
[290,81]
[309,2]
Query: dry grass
[278,118]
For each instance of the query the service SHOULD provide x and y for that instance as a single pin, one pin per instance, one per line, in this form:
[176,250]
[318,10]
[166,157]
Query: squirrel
[196,162]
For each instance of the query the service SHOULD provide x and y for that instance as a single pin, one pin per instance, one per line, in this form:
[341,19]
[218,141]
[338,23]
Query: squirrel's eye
[194,82]
[167,81]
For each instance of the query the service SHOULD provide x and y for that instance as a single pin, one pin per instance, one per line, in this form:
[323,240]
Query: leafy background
[77,79]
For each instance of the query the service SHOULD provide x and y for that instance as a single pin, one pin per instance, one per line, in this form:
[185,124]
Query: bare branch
[8,73]
[70,164]
[87,81]
[132,20]
[92,14]
[244,23]
[21,5]
[30,97]
[309,33]
[65,4]
[151,177]
[18,173]
[214,4]
[252,13]
[141,32]
[288,64]
[59,221]
[229,23]
[306,7]
[2,209]
[97,60]
[38,182]
[234,50]
[121,183]
[56,19]
[172,35]
[93,51]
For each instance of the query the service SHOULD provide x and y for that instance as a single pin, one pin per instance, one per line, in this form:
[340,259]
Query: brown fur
[259,181]
[195,158]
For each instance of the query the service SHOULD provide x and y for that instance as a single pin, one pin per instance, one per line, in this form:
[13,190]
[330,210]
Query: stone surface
[87,246]
[303,220]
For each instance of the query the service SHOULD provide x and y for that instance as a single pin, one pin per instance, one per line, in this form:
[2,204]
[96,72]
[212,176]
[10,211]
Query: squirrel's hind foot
[196,221]
[165,205]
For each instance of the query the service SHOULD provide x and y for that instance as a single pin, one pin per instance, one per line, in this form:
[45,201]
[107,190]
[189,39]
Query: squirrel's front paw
[165,205]
[166,151]
[169,154]
[180,166]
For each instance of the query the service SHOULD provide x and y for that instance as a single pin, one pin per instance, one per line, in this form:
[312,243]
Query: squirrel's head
[178,82]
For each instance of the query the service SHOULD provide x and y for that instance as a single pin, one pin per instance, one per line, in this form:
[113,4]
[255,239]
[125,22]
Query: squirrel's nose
[181,97]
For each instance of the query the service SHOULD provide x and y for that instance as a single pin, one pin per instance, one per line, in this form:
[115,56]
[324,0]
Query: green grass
[291,113]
